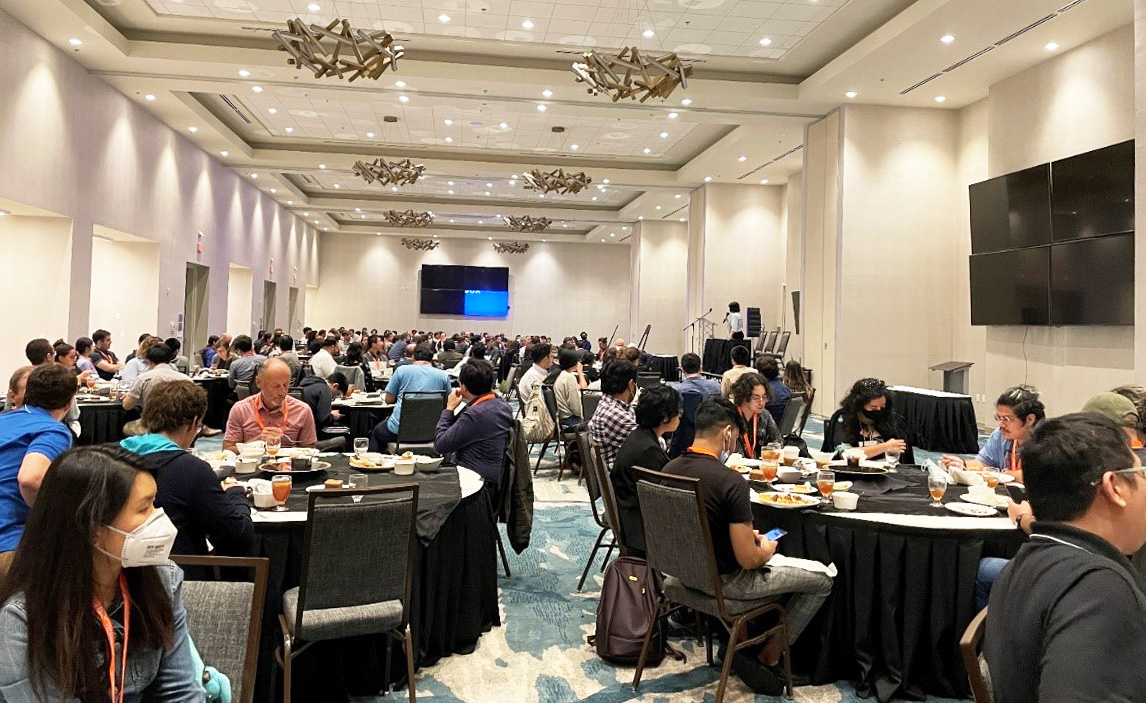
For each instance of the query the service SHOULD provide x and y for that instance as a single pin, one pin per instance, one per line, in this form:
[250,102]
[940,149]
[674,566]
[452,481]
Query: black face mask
[877,415]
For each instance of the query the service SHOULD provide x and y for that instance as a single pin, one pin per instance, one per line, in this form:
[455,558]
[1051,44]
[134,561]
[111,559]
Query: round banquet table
[101,421]
[904,592]
[362,417]
[218,393]
[454,596]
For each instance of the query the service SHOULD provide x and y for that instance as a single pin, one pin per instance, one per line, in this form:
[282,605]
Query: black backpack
[624,612]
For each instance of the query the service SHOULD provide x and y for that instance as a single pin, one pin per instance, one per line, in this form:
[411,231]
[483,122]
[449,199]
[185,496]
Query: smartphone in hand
[775,534]
[1017,491]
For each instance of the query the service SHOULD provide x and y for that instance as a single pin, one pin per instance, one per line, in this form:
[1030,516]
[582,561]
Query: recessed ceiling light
[664,135]
[273,190]
[513,177]
[544,241]
[363,216]
[337,186]
[322,165]
[257,88]
[443,18]
[316,222]
[313,7]
[403,99]
[451,222]
[541,108]
[574,147]
[658,207]
[673,115]
[648,34]
[75,42]
[487,193]
[451,192]
[605,181]
[940,98]
[742,159]
[482,222]
[449,183]
[594,197]
[357,209]
[625,228]
[947,38]
[369,135]
[541,195]
[503,125]
[244,73]
[850,94]
[612,234]
[224,153]
[254,175]
[686,102]
[527,25]
[290,202]
[602,241]
[399,84]
[766,41]
[306,214]
[448,123]
[648,150]
[149,97]
[640,217]
[707,179]
[272,110]
[547,93]
[763,181]
[449,140]
[192,129]
[289,130]
[489,185]
[1051,46]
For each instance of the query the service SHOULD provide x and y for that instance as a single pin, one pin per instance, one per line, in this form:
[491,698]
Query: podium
[954,375]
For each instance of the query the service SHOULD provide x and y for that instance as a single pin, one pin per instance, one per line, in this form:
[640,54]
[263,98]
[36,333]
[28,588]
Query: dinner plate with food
[806,488]
[284,467]
[373,461]
[970,509]
[787,501]
[993,500]
[865,468]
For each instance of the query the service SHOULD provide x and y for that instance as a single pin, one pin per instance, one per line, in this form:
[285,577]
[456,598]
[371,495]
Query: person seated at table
[93,597]
[322,362]
[17,385]
[750,396]
[742,554]
[657,413]
[541,355]
[407,357]
[39,351]
[1067,616]
[567,388]
[397,348]
[602,348]
[778,393]
[449,356]
[474,427]
[614,419]
[103,358]
[867,419]
[180,361]
[271,412]
[207,353]
[135,352]
[137,365]
[31,437]
[740,358]
[289,356]
[796,379]
[376,355]
[692,380]
[319,393]
[245,363]
[1137,395]
[420,375]
[159,369]
[223,354]
[65,354]
[188,490]
[1017,411]
[83,355]
[1119,409]
[355,365]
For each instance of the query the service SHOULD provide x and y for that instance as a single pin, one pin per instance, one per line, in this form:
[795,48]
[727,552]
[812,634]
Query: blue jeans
[989,569]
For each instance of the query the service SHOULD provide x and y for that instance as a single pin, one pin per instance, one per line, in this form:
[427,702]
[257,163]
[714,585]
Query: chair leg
[786,655]
[284,656]
[410,666]
[501,551]
[386,673]
[727,664]
[592,556]
[541,456]
[707,636]
[605,561]
[648,639]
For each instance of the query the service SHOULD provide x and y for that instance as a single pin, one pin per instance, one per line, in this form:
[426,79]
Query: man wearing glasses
[1017,411]
[1067,616]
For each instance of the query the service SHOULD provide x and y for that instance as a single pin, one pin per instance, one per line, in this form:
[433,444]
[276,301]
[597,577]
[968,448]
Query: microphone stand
[704,321]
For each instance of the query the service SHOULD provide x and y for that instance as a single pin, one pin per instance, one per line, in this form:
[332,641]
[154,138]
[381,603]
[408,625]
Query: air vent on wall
[236,109]
[785,155]
[1010,37]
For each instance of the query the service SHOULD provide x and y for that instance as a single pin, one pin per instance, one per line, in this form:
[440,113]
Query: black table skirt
[453,602]
[718,353]
[900,602]
[101,423]
[361,420]
[939,424]
[218,405]
[667,366]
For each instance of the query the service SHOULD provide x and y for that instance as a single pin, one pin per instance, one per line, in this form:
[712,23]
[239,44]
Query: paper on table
[805,564]
[278,516]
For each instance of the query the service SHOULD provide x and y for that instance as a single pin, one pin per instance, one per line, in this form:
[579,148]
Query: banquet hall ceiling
[485,93]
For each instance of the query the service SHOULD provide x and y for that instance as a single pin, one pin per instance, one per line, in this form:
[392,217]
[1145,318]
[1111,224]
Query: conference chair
[560,436]
[295,392]
[589,402]
[353,587]
[601,514]
[970,644]
[807,413]
[355,376]
[783,348]
[791,414]
[678,545]
[417,426]
[225,618]
[771,343]
[648,380]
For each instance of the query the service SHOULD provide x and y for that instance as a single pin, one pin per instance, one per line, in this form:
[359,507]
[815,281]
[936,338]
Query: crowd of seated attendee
[271,413]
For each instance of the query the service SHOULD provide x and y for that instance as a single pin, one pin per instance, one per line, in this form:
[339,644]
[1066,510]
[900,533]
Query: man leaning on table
[271,412]
[1067,616]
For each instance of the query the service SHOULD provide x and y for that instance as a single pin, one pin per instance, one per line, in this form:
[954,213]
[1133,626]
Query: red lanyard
[259,418]
[479,401]
[109,630]
[750,444]
[699,450]
[1016,462]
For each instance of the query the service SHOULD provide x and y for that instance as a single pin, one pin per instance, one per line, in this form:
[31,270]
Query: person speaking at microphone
[91,595]
[734,321]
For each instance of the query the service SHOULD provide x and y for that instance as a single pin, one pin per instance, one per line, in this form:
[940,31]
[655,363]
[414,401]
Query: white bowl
[845,501]
[264,500]
[247,466]
[789,475]
[821,457]
[403,467]
[427,463]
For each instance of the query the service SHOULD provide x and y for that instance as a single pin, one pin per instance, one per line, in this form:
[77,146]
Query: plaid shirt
[611,425]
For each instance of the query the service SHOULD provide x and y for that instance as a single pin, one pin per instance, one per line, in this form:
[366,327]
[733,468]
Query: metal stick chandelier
[334,53]
[526,223]
[556,180]
[511,247]
[631,75]
[408,218]
[398,173]
[420,244]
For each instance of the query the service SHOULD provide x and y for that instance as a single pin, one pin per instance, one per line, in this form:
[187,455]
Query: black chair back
[648,380]
[420,413]
[771,343]
[807,411]
[791,415]
[589,402]
[784,338]
[686,431]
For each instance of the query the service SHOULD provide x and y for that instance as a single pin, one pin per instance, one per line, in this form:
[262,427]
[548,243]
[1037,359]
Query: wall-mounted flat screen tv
[1092,194]
[1011,211]
[1011,287]
[1092,281]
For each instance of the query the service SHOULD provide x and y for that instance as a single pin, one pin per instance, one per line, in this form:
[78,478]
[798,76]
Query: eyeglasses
[1135,469]
[1005,419]
[758,398]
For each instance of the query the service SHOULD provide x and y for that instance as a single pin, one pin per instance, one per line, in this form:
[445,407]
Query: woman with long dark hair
[867,419]
[91,605]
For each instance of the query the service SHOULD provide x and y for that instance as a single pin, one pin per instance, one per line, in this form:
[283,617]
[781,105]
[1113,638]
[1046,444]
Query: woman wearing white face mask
[92,607]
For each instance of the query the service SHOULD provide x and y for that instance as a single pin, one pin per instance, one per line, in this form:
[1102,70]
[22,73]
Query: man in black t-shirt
[742,554]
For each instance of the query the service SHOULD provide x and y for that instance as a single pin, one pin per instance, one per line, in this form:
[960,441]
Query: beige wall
[821,189]
[125,287]
[555,289]
[660,269]
[794,260]
[241,314]
[35,285]
[72,145]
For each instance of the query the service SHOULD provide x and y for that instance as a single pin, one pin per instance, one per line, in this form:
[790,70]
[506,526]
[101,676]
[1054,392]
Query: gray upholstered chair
[225,619]
[358,586]
[791,414]
[679,546]
[417,426]
[355,376]
[978,674]
[560,436]
[589,402]
[590,456]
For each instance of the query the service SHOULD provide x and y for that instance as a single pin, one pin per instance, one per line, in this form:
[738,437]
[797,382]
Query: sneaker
[759,678]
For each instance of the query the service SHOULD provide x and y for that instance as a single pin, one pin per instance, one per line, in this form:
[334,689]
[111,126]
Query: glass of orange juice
[281,486]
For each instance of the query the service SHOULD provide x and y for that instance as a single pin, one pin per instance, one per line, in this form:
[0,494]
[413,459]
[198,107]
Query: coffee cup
[246,466]
[403,467]
[791,454]
[845,501]
[981,492]
[263,497]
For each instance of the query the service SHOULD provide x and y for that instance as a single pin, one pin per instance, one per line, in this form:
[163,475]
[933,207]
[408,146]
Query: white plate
[999,501]
[804,501]
[970,509]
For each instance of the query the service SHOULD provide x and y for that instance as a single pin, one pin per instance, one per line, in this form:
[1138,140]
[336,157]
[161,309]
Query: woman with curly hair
[866,419]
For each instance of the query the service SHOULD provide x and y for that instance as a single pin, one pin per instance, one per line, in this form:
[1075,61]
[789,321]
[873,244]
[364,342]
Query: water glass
[361,444]
[358,481]
[272,445]
[892,457]
[936,486]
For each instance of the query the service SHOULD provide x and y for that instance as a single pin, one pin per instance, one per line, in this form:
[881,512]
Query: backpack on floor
[624,613]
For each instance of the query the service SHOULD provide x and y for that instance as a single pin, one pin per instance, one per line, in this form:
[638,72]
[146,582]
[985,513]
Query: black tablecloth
[453,600]
[218,406]
[939,424]
[667,366]
[718,354]
[361,419]
[101,422]
[901,600]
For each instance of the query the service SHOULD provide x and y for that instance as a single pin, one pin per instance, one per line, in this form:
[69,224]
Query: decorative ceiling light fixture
[631,75]
[408,218]
[398,173]
[353,51]
[555,180]
[526,223]
[419,244]
[511,247]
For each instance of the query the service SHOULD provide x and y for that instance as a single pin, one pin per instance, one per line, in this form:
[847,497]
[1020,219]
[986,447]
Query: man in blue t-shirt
[420,375]
[31,437]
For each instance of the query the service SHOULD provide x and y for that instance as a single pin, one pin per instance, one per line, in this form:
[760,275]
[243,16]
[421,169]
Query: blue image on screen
[486,303]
